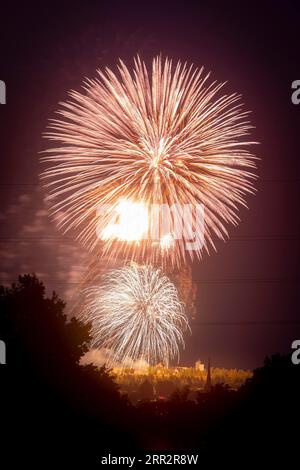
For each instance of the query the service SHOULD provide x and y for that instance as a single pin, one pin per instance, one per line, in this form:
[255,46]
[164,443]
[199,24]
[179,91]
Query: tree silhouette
[36,330]
[50,399]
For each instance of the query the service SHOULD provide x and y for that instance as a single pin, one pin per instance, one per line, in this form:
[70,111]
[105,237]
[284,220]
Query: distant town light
[199,365]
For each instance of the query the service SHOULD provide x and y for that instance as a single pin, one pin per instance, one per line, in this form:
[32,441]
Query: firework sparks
[136,314]
[164,136]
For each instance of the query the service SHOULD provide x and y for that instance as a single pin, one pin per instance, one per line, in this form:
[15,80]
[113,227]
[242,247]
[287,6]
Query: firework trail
[136,314]
[159,136]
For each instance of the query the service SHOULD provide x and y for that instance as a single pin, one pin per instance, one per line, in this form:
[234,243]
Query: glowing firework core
[132,224]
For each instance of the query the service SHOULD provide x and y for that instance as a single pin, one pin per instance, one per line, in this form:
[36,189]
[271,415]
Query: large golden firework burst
[161,136]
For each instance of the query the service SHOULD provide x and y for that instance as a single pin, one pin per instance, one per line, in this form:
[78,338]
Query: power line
[241,238]
[247,323]
[196,281]
[259,180]
[244,280]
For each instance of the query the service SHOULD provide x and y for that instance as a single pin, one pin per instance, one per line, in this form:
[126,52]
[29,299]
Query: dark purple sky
[248,292]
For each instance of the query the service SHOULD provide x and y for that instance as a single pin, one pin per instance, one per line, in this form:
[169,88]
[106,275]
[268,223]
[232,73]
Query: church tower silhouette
[207,387]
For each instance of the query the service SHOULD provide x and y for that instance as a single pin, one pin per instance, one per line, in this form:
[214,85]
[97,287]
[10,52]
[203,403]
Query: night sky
[248,292]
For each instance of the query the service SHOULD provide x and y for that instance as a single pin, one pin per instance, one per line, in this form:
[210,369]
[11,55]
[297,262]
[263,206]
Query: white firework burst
[135,314]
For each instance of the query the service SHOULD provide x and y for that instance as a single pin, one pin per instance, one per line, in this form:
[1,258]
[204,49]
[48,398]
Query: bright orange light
[132,222]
